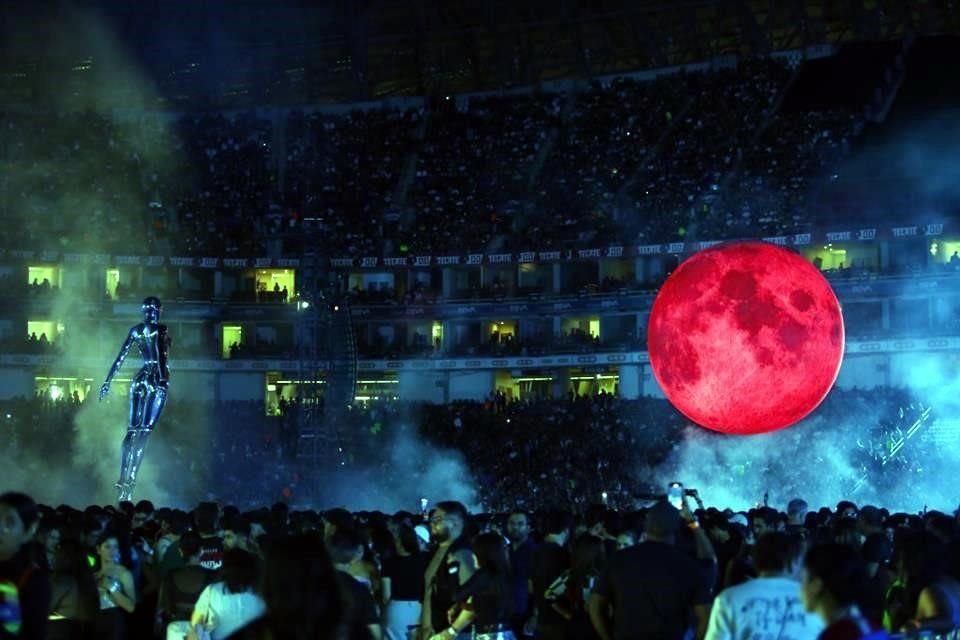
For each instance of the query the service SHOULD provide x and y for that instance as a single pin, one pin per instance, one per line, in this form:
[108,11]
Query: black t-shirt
[446,583]
[211,553]
[359,608]
[653,588]
[33,593]
[492,598]
[406,576]
[520,559]
[548,562]
[181,588]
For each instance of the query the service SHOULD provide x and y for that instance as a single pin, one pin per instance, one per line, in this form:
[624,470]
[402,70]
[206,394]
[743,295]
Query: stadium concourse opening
[281,388]
[540,384]
[67,388]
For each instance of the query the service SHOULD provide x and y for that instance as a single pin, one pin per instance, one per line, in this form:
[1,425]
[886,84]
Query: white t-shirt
[762,609]
[228,611]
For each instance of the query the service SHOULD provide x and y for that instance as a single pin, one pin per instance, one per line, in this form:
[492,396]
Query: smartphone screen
[675,494]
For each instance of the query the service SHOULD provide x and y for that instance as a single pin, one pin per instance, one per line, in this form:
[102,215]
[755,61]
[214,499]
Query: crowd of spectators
[71,181]
[150,569]
[548,451]
[643,161]
[728,108]
[673,568]
[473,171]
[341,173]
[606,137]
[32,344]
[808,143]
[507,344]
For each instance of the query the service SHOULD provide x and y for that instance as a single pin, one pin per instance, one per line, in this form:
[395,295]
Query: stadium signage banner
[846,236]
[475,259]
[649,249]
[257,367]
[638,303]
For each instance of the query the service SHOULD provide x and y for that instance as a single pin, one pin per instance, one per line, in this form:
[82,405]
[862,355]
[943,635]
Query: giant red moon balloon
[746,337]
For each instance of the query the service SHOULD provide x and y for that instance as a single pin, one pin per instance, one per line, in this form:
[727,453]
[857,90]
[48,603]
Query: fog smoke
[413,470]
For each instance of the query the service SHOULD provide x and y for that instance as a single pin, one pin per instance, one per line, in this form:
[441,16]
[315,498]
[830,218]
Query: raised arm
[163,347]
[124,350]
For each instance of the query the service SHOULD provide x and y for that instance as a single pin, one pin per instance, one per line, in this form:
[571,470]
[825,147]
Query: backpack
[10,614]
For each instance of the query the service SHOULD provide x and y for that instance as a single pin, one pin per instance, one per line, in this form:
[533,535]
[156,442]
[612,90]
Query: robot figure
[148,391]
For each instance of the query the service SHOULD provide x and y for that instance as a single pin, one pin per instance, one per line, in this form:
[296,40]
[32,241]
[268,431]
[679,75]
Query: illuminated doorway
[232,335]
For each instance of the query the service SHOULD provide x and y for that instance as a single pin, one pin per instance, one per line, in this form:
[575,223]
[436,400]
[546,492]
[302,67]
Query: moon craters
[801,300]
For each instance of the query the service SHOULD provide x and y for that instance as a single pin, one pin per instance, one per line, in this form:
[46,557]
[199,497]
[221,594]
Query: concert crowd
[642,162]
[669,569]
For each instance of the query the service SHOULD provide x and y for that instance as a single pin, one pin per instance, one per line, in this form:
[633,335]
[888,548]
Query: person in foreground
[831,582]
[768,605]
[24,586]
[227,605]
[656,588]
[302,593]
[116,588]
[485,600]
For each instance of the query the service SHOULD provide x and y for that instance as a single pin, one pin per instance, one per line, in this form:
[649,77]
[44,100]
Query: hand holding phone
[675,494]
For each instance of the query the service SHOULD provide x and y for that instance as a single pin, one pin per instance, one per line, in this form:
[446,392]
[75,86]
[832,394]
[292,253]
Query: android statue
[148,391]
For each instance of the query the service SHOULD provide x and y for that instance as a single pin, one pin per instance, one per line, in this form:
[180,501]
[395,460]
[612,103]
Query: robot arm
[124,350]
[163,346]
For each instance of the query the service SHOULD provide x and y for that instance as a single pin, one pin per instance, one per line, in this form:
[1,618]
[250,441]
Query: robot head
[151,309]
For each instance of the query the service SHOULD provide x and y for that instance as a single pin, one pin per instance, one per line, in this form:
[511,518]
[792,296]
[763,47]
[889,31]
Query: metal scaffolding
[327,372]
